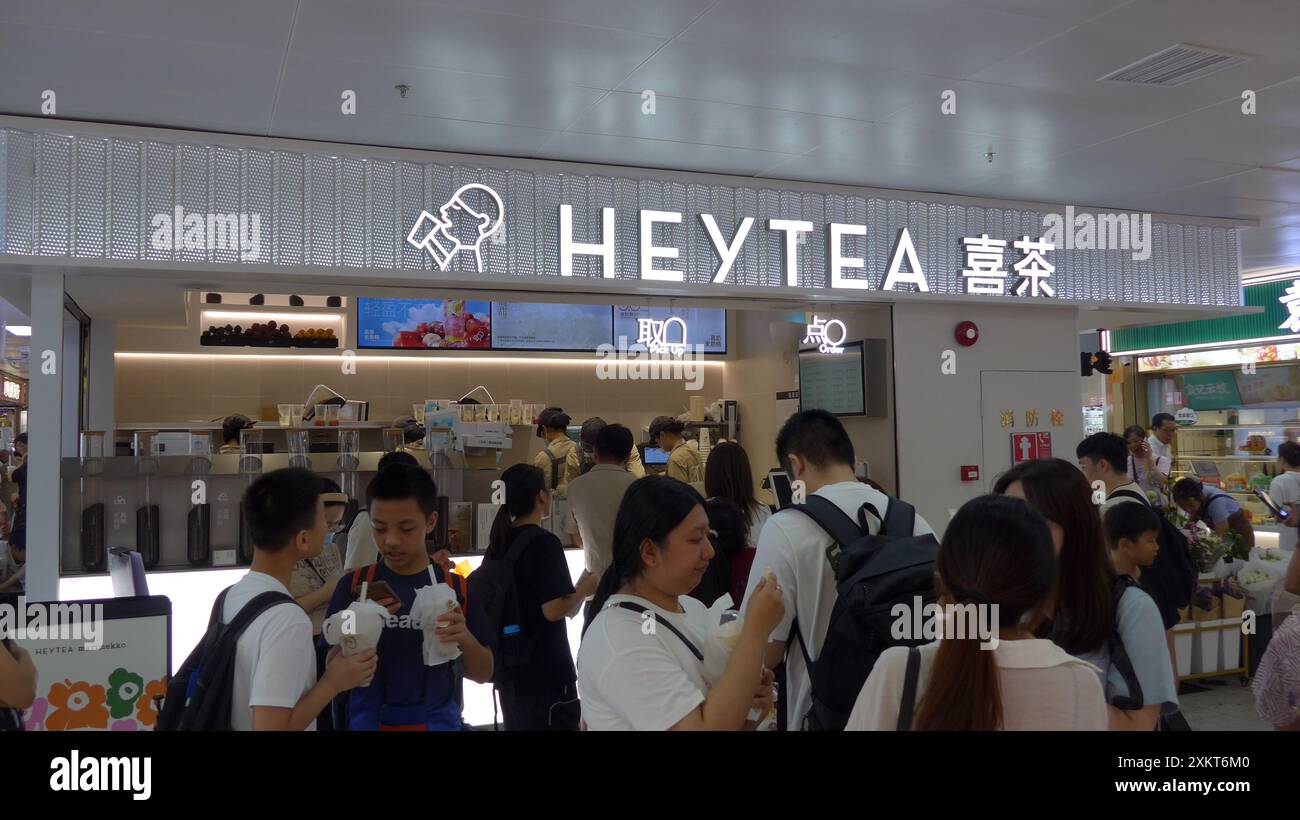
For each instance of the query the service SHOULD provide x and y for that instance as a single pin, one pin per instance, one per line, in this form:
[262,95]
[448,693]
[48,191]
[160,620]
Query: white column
[44,487]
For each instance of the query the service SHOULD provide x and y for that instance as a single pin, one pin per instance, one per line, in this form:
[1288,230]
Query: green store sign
[1266,325]
[1216,390]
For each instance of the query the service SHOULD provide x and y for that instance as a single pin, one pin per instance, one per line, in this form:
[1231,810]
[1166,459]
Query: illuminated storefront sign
[13,390]
[820,332]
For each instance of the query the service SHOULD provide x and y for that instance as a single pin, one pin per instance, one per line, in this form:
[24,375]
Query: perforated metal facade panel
[91,197]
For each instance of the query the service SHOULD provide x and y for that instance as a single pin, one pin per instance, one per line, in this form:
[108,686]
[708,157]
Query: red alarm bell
[966,334]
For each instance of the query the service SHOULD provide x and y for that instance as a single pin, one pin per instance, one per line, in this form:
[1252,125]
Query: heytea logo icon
[473,213]
[102,774]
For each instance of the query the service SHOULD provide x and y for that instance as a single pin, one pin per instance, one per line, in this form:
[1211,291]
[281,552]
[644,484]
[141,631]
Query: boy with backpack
[256,667]
[1132,533]
[406,695]
[830,556]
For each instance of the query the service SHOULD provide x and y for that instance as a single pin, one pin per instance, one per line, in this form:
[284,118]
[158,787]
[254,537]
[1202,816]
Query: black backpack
[199,694]
[1171,578]
[494,594]
[872,574]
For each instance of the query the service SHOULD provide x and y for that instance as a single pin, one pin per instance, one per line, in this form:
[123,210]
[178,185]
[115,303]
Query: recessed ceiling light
[19,330]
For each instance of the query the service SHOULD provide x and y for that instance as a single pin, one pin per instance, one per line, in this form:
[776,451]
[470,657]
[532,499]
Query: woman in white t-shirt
[642,662]
[996,554]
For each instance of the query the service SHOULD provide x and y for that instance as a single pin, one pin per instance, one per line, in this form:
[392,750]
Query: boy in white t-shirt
[814,447]
[275,686]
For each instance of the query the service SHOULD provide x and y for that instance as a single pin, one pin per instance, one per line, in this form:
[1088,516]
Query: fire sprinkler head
[402,88]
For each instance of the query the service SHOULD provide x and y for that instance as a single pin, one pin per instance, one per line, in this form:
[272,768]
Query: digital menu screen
[424,324]
[704,326]
[458,324]
[833,381]
[549,326]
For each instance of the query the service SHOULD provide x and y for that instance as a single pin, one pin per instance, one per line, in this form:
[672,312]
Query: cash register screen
[654,455]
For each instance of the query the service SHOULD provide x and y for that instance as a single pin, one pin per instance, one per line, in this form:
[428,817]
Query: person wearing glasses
[1163,428]
[314,579]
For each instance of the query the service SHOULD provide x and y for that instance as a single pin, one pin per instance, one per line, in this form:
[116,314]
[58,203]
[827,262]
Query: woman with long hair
[641,663]
[1092,608]
[995,561]
[727,475]
[539,692]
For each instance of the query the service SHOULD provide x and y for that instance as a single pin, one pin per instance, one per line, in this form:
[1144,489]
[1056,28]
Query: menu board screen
[549,326]
[424,324]
[833,381]
[704,326]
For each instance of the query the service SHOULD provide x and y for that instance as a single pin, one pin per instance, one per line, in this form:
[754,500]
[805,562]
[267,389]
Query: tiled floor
[1226,705]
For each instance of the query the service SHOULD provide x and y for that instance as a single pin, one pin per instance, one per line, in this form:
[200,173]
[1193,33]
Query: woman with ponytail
[641,663]
[997,555]
[540,692]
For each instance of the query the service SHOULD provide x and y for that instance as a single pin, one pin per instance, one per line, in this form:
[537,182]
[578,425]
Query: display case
[1238,418]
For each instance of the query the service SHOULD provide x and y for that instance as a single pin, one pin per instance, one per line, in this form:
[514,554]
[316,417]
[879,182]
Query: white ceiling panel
[622,113]
[939,37]
[460,136]
[99,76]
[955,151]
[465,40]
[811,83]
[313,86]
[663,17]
[1273,184]
[650,153]
[1220,132]
[240,23]
[1027,114]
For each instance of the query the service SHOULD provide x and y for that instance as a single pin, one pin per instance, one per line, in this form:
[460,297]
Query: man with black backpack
[842,561]
[256,666]
[1171,580]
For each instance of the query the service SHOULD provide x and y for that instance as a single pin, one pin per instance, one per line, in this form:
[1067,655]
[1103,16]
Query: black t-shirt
[541,575]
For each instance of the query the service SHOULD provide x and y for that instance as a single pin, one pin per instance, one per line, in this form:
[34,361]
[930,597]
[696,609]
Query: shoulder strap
[900,518]
[638,608]
[1130,494]
[520,543]
[556,461]
[356,576]
[908,702]
[831,518]
[262,602]
[1216,498]
[215,619]
[1119,655]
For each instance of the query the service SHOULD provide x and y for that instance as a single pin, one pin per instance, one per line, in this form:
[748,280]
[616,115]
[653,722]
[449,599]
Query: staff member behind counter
[231,427]
[553,460]
[583,458]
[684,462]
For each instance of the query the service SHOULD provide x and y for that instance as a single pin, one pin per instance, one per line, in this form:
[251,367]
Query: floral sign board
[109,688]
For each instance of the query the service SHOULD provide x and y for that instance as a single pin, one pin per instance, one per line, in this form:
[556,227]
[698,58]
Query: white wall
[766,360]
[940,425]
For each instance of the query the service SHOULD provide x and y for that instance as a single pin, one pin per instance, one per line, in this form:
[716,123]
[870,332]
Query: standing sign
[104,674]
[1030,446]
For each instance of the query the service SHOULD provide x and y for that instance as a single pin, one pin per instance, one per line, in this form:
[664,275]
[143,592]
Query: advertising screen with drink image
[422,324]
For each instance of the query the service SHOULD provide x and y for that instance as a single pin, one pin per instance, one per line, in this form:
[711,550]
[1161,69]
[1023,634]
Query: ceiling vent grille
[1174,66]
